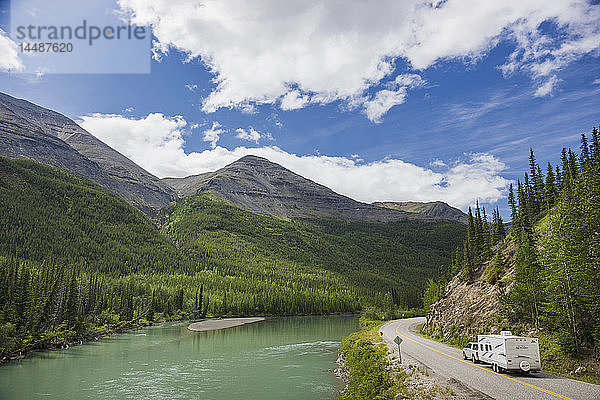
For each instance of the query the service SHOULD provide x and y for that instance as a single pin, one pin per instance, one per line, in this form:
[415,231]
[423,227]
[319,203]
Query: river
[282,358]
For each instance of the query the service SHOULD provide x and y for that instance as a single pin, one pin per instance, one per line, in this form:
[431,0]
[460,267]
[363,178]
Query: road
[447,362]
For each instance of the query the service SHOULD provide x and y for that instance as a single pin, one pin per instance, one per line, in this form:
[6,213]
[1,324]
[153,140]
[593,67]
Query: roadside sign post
[398,340]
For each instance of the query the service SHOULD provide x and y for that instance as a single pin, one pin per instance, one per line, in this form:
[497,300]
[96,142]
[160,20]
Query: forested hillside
[48,213]
[77,262]
[372,256]
[546,273]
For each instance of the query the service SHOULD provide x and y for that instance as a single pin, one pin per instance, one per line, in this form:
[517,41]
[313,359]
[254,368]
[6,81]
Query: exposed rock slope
[437,209]
[469,308]
[33,132]
[264,187]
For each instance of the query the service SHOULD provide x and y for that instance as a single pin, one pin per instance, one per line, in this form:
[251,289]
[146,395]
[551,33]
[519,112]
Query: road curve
[448,363]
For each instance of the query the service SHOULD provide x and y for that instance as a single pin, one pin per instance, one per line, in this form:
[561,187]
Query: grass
[370,374]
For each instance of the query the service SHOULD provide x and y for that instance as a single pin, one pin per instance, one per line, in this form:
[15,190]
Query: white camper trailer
[506,352]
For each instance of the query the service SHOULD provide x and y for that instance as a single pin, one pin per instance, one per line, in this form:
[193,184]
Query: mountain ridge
[33,132]
[29,131]
[267,188]
[430,208]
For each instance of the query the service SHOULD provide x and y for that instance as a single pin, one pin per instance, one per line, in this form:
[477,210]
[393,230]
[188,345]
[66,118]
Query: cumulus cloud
[298,53]
[376,107]
[293,100]
[156,142]
[213,134]
[248,134]
[382,102]
[9,60]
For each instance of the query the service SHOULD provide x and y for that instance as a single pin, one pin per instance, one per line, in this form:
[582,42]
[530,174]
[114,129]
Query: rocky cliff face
[264,187]
[470,308]
[437,209]
[33,132]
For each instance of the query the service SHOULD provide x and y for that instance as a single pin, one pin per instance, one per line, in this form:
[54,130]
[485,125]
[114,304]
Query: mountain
[32,132]
[372,256]
[432,209]
[261,186]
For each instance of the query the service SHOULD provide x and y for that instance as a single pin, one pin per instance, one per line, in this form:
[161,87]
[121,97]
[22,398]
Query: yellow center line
[483,368]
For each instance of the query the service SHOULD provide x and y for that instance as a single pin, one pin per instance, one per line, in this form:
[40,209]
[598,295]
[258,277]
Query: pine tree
[584,156]
[595,146]
[498,231]
[550,187]
[512,203]
[72,297]
[535,191]
[558,178]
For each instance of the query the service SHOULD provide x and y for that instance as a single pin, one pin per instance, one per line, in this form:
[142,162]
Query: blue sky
[453,105]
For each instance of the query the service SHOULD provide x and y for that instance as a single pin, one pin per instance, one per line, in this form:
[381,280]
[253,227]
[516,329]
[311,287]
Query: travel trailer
[507,352]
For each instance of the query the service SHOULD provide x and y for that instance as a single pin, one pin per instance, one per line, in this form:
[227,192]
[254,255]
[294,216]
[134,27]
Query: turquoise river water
[283,358]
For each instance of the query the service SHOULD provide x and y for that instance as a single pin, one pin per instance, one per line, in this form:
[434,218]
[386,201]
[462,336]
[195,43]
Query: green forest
[77,262]
[555,222]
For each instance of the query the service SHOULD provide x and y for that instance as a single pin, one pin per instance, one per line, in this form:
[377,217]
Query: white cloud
[547,87]
[409,80]
[213,134]
[156,143]
[9,60]
[304,52]
[248,134]
[191,88]
[596,82]
[382,102]
[438,163]
[376,107]
[293,100]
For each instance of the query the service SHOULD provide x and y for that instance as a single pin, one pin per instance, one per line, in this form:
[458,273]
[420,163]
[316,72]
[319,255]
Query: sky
[389,101]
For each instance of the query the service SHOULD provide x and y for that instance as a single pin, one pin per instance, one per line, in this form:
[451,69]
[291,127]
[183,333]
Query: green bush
[369,375]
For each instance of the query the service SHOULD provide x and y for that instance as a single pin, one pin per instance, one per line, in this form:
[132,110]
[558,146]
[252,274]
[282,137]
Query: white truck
[507,352]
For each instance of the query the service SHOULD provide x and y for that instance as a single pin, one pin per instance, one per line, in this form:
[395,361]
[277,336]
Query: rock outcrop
[437,209]
[470,308]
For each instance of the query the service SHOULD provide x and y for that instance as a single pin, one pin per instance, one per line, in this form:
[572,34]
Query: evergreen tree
[512,203]
[498,231]
[584,156]
[550,188]
[595,146]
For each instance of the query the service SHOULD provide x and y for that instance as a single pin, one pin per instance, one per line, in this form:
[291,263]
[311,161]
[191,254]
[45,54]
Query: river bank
[74,341]
[289,358]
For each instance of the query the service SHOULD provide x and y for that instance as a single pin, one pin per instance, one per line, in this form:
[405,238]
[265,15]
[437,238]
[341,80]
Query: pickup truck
[471,352]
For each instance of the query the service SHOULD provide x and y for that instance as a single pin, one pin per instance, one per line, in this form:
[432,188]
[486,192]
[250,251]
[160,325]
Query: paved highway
[447,362]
